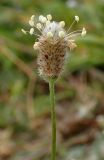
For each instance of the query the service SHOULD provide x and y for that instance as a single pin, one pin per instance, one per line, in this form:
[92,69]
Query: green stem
[53,118]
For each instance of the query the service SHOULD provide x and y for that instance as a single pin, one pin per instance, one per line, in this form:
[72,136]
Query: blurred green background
[25,126]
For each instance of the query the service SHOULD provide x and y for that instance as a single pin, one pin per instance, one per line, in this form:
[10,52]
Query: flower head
[53,41]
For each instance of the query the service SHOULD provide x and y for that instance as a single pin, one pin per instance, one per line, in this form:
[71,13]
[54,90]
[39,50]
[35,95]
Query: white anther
[42,19]
[49,35]
[23,31]
[76,18]
[61,34]
[36,45]
[62,24]
[39,26]
[31,31]
[32,17]
[47,23]
[31,22]
[49,17]
[83,32]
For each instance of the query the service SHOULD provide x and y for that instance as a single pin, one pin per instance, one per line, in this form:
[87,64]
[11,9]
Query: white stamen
[32,17]
[83,32]
[49,17]
[75,32]
[53,30]
[62,24]
[75,35]
[36,45]
[72,40]
[61,34]
[49,35]
[31,31]
[42,19]
[31,22]
[39,26]
[71,26]
[71,44]
[23,31]
[76,18]
[47,23]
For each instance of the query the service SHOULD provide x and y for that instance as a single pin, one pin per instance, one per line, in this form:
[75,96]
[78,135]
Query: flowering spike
[52,44]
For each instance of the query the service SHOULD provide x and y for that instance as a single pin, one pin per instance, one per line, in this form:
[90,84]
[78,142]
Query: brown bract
[51,57]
